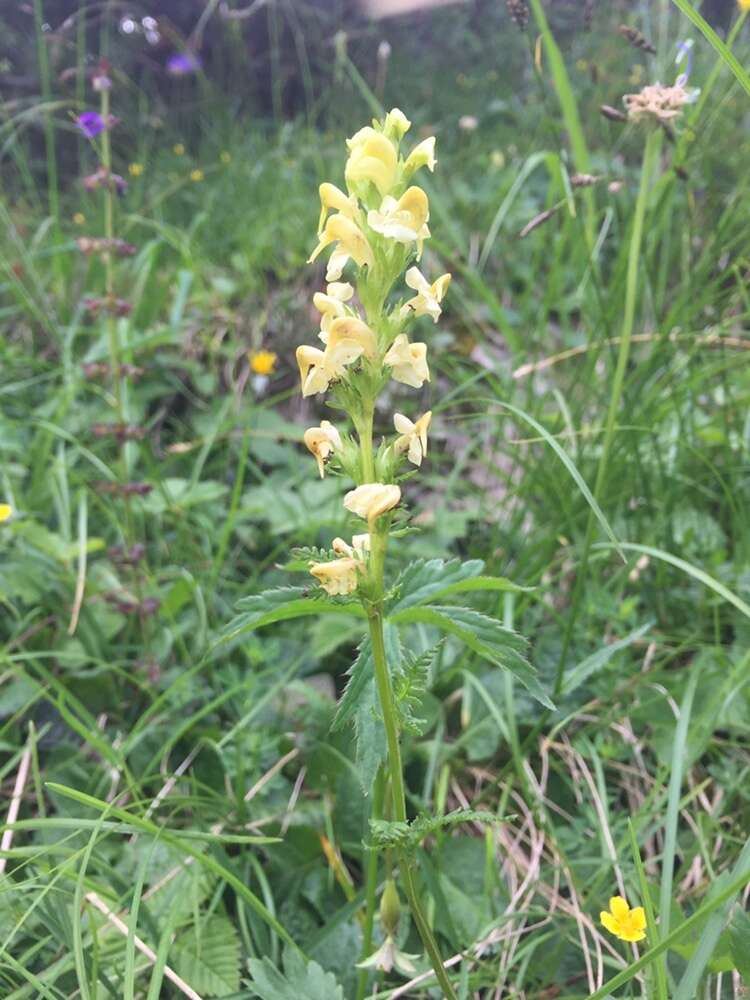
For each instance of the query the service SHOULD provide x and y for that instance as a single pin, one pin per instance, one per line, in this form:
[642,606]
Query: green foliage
[409,836]
[298,980]
[208,957]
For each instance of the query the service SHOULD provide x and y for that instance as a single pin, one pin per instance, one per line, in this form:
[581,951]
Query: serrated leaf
[410,686]
[209,959]
[408,836]
[425,580]
[486,636]
[369,733]
[361,671]
[298,981]
[279,605]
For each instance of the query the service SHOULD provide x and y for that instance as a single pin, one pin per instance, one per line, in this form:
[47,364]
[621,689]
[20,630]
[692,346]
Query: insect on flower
[624,923]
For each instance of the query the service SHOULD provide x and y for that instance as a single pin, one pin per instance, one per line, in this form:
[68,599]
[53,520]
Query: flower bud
[390,907]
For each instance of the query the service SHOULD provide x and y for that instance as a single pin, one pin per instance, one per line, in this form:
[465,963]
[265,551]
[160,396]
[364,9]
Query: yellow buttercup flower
[196,175]
[262,362]
[339,577]
[178,149]
[334,199]
[372,500]
[408,362]
[624,923]
[351,241]
[413,438]
[135,169]
[322,441]
[6,512]
[423,155]
[373,158]
[404,220]
[429,296]
[330,304]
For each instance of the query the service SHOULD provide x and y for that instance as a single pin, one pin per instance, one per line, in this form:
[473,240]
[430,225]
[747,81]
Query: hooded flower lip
[396,124]
[423,155]
[348,334]
[317,369]
[408,362]
[352,242]
[429,296]
[624,923]
[6,512]
[331,305]
[372,500]
[322,441]
[373,158]
[334,199]
[413,438]
[338,578]
[357,550]
[404,220]
[90,123]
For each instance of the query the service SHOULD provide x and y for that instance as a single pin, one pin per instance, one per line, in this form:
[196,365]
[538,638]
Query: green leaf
[484,635]
[209,958]
[426,579]
[408,836]
[360,673]
[739,936]
[410,685]
[296,982]
[280,605]
[369,733]
[583,670]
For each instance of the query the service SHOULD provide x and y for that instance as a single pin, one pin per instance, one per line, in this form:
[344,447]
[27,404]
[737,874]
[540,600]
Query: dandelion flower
[135,169]
[196,175]
[624,923]
[178,149]
[6,512]
[263,362]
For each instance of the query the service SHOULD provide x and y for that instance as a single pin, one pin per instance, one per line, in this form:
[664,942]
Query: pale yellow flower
[373,158]
[744,4]
[408,361]
[348,334]
[413,438]
[351,241]
[624,923]
[388,956]
[372,500]
[178,149]
[322,441]
[196,175]
[339,577]
[396,124]
[135,169]
[79,218]
[330,304]
[334,199]
[319,368]
[429,296]
[404,220]
[357,550]
[423,155]
[262,362]
[6,512]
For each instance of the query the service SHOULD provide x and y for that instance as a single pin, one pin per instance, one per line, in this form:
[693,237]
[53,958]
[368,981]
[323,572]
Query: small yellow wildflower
[196,175]
[372,499]
[338,578]
[408,362]
[79,218]
[322,441]
[178,149]
[135,169]
[6,512]
[413,438]
[262,362]
[225,157]
[624,923]
[744,4]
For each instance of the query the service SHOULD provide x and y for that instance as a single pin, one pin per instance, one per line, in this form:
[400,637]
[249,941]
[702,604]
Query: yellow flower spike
[372,500]
[429,296]
[334,199]
[372,158]
[423,155]
[262,362]
[135,169]
[322,441]
[413,438]
[624,923]
[404,220]
[408,362]
[349,333]
[396,124]
[338,578]
[6,512]
[352,243]
[330,304]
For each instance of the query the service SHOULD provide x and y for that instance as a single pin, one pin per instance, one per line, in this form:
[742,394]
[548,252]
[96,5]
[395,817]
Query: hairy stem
[371,883]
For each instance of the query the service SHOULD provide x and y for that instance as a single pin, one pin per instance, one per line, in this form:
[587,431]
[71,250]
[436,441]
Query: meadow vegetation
[188,760]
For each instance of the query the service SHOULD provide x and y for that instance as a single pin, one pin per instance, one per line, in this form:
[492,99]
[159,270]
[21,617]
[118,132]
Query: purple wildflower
[183,64]
[90,123]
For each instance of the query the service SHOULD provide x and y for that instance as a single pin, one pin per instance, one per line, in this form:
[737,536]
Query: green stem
[371,884]
[379,539]
[650,157]
[109,273]
[53,197]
